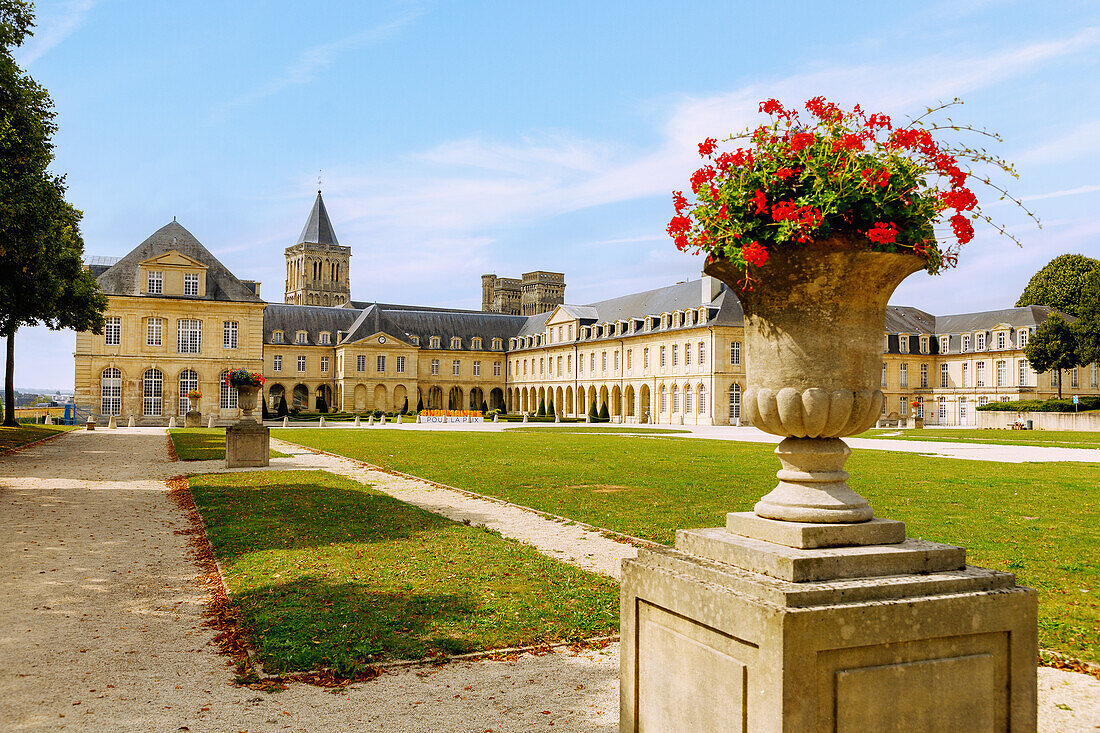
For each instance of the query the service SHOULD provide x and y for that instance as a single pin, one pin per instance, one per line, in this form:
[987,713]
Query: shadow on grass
[311,622]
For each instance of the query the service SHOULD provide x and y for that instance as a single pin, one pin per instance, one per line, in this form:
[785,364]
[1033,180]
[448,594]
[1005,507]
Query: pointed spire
[318,229]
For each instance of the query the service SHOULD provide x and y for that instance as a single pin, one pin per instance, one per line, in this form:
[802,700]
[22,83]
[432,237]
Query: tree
[264,413]
[550,408]
[542,408]
[405,406]
[605,416]
[282,410]
[322,403]
[43,280]
[593,412]
[484,407]
[1054,346]
[1088,324]
[419,405]
[1060,284]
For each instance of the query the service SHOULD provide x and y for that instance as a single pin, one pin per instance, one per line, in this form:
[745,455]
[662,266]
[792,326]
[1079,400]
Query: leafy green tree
[1060,284]
[43,279]
[1054,346]
[542,408]
[1088,324]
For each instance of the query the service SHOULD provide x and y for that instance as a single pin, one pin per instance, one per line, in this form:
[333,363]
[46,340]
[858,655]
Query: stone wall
[1089,421]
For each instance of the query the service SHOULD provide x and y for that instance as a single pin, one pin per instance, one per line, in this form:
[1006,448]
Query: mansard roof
[318,228]
[1027,316]
[906,319]
[313,319]
[408,321]
[121,278]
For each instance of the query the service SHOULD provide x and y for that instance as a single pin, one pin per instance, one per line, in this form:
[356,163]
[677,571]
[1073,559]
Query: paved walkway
[101,626]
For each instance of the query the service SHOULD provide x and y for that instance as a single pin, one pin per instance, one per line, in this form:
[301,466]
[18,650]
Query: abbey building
[179,320]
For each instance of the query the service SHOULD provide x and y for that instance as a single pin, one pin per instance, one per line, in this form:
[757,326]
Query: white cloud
[1080,141]
[55,22]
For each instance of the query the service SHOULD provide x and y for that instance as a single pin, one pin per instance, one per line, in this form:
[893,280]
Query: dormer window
[497,344]
[339,336]
[979,341]
[885,342]
[414,340]
[456,342]
[433,342]
[1021,337]
[924,344]
[300,337]
[570,331]
[156,282]
[277,337]
[689,318]
[676,319]
[966,344]
[1002,340]
[903,343]
[324,338]
[664,320]
[475,343]
[191,283]
[944,344]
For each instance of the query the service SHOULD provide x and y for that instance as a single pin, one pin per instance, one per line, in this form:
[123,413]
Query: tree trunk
[1059,384]
[9,382]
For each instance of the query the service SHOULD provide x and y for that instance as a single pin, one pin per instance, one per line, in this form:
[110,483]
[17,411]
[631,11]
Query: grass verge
[326,572]
[995,436]
[202,444]
[1037,520]
[12,438]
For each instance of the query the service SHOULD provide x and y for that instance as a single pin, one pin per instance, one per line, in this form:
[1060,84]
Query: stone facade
[674,355]
[536,292]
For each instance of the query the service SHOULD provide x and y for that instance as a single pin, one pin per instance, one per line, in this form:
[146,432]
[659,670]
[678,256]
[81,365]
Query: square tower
[317,267]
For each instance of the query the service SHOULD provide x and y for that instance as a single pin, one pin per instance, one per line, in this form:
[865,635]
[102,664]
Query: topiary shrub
[322,404]
[550,408]
[593,412]
[419,405]
[281,410]
[542,408]
[405,406]
[484,407]
[605,416]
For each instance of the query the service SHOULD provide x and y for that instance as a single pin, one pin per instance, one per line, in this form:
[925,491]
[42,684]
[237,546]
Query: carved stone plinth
[192,419]
[733,633]
[247,445]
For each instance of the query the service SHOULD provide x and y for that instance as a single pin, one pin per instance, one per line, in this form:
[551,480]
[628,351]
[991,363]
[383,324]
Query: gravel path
[101,626]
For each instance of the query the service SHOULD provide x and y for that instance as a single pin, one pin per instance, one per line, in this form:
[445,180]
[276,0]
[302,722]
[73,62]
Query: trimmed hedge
[1087,402]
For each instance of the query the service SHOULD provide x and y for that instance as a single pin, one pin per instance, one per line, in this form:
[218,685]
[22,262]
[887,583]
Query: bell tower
[317,266]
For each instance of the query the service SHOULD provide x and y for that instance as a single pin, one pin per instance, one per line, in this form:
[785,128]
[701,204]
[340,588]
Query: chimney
[711,289]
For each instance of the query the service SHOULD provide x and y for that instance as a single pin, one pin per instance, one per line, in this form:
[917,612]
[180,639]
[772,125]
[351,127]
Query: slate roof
[313,319]
[906,319]
[318,228]
[405,322]
[1031,315]
[221,284]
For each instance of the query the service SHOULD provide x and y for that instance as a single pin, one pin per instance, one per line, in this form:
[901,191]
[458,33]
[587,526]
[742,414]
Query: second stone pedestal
[729,632]
[247,445]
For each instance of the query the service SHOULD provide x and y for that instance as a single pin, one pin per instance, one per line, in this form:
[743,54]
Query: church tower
[317,266]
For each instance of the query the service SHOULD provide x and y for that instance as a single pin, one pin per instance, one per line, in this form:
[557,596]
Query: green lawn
[329,573]
[23,434]
[202,444]
[1046,438]
[1040,521]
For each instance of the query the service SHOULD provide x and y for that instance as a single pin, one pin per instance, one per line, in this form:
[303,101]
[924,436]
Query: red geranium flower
[755,254]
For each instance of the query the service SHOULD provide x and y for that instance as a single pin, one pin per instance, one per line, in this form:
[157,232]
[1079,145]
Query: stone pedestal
[112,422]
[90,424]
[767,625]
[192,419]
[247,444]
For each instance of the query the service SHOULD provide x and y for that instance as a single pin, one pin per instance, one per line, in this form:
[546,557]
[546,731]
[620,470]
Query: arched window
[687,398]
[735,401]
[702,398]
[189,380]
[664,399]
[152,392]
[228,394]
[675,398]
[110,392]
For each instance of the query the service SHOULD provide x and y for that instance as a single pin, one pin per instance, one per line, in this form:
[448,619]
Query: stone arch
[628,401]
[477,396]
[569,408]
[591,399]
[496,399]
[274,392]
[360,397]
[325,391]
[559,401]
[300,397]
[152,392]
[188,380]
[454,398]
[616,401]
[380,401]
[400,394]
[645,409]
[701,395]
[435,398]
[603,400]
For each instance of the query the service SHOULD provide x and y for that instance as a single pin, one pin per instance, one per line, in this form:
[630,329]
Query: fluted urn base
[813,485]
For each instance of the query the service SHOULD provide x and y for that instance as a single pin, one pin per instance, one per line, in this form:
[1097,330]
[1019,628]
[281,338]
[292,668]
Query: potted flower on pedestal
[248,386]
[916,421]
[193,417]
[814,224]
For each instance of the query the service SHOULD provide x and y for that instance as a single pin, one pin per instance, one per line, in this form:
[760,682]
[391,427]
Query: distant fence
[1084,421]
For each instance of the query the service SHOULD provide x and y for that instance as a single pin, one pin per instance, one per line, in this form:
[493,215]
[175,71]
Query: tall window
[924,376]
[962,411]
[276,337]
[675,358]
[662,357]
[883,384]
[1094,375]
[1073,378]
[456,342]
[301,364]
[942,405]
[110,392]
[1002,338]
[645,358]
[1023,373]
[903,376]
[945,376]
[189,336]
[324,364]
[903,343]
[152,393]
[475,343]
[675,398]
[630,359]
[542,364]
[966,375]
[435,367]
[903,406]
[979,342]
[112,331]
[189,380]
[687,356]
[156,283]
[1021,337]
[400,365]
[300,337]
[433,342]
[735,401]
[979,374]
[687,399]
[592,362]
[477,367]
[702,398]
[325,340]
[664,399]
[702,353]
[154,331]
[277,362]
[380,363]
[496,368]
[455,367]
[229,335]
[361,363]
[228,395]
[920,408]
[944,343]
[191,286]
[1002,373]
[735,352]
[924,344]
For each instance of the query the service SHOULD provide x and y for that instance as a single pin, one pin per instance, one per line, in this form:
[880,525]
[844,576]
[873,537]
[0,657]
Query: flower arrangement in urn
[244,378]
[194,394]
[814,224]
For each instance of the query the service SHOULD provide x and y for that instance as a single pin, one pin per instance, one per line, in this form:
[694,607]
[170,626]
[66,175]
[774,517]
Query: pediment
[172,258]
[560,316]
[389,341]
[1001,327]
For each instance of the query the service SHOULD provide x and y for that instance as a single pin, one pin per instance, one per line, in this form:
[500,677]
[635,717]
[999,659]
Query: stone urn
[814,322]
[247,397]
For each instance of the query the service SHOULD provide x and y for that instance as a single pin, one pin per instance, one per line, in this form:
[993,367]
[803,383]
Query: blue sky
[459,138]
